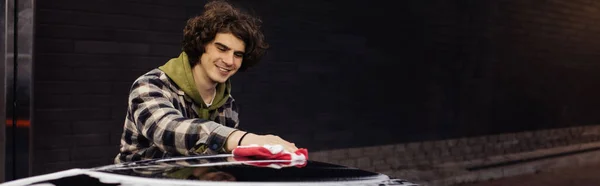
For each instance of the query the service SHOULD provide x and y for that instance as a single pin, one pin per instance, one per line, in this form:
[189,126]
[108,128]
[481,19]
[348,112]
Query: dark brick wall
[478,158]
[354,73]
[87,55]
[339,74]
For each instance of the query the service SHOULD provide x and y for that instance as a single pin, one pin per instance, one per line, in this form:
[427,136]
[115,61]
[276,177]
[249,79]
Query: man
[185,107]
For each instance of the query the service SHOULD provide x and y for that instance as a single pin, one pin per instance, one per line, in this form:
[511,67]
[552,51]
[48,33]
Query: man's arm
[157,119]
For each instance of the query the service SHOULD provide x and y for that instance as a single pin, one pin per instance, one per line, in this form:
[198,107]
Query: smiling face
[222,58]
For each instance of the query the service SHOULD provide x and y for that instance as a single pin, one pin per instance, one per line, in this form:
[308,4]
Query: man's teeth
[222,69]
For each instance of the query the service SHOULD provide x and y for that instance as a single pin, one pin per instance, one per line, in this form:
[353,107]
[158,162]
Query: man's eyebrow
[222,45]
[226,47]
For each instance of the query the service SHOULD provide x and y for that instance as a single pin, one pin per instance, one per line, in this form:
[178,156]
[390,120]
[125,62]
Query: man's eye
[239,55]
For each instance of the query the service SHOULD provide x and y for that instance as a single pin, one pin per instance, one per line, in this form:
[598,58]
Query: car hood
[213,170]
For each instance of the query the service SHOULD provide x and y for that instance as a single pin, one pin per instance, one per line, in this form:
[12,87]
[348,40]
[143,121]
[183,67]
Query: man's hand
[270,140]
[260,140]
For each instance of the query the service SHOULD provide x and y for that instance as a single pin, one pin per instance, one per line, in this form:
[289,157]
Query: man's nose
[229,58]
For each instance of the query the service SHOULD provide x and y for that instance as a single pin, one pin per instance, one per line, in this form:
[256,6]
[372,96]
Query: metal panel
[9,87]
[18,87]
[24,84]
[2,88]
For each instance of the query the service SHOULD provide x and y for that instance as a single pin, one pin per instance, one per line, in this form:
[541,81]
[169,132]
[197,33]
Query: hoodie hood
[179,71]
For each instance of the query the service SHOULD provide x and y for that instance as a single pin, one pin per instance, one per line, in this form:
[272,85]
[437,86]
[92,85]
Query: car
[220,169]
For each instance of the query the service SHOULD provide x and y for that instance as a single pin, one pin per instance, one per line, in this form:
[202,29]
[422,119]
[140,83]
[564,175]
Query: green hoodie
[180,71]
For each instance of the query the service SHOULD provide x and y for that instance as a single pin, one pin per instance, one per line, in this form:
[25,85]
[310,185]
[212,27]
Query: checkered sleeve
[157,119]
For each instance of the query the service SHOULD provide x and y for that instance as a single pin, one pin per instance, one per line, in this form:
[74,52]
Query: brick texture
[449,160]
[426,70]
[87,54]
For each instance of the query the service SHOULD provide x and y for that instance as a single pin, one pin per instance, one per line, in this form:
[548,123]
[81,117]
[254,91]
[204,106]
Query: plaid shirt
[161,122]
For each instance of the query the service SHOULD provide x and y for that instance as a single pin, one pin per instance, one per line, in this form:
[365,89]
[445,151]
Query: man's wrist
[233,140]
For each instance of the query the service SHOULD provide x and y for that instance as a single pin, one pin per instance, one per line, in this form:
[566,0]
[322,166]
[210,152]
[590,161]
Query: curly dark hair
[221,17]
